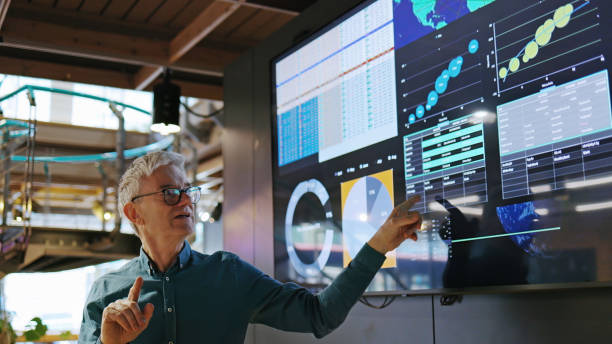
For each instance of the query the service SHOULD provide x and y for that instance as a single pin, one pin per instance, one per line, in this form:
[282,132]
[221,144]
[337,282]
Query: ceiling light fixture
[166,102]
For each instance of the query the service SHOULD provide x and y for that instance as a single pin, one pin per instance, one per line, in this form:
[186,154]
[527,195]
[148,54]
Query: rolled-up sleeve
[289,307]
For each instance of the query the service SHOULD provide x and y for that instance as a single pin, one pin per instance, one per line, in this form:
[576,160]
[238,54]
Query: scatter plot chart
[442,80]
[549,46]
[542,37]
[441,84]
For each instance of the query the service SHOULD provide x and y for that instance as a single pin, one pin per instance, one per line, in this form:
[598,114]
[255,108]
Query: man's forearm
[339,297]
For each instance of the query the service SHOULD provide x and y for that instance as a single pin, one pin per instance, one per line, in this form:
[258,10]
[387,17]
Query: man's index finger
[135,290]
[405,206]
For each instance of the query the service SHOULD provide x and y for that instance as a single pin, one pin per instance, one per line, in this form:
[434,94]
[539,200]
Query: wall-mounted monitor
[496,112]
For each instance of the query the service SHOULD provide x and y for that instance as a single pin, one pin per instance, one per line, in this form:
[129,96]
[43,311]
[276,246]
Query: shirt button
[167,279]
[170,309]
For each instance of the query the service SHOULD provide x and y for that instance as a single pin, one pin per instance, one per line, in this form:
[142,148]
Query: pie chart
[366,204]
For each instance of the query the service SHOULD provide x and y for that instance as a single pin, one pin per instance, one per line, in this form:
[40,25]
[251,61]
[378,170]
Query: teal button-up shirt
[212,298]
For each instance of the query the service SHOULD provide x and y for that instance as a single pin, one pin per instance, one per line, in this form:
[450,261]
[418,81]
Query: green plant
[36,329]
[65,335]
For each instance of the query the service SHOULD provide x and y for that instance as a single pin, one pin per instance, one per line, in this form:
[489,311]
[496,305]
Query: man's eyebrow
[164,186]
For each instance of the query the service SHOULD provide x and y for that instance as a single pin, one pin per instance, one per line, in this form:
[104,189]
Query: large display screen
[496,112]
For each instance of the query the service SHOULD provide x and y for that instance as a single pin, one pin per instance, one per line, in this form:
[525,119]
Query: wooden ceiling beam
[99,45]
[58,71]
[197,90]
[78,19]
[200,27]
[146,75]
[263,7]
[215,14]
[105,46]
[213,57]
[152,54]
[4,5]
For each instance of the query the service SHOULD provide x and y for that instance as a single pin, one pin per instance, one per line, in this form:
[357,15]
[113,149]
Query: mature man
[171,294]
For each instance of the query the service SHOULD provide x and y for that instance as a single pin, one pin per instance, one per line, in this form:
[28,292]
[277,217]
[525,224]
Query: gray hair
[144,167]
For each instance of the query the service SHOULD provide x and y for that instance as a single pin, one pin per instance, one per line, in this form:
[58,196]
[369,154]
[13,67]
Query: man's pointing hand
[122,320]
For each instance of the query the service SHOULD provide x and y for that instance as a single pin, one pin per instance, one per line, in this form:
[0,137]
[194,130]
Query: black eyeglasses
[172,196]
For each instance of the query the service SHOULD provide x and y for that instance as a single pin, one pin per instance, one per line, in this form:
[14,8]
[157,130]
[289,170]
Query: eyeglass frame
[162,191]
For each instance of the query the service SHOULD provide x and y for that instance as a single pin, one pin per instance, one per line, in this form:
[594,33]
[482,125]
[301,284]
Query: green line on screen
[508,234]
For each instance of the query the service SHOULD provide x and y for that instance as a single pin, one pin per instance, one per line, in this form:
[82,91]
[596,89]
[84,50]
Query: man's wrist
[101,341]
[378,246]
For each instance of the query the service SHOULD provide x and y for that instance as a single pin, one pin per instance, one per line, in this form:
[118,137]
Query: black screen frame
[300,41]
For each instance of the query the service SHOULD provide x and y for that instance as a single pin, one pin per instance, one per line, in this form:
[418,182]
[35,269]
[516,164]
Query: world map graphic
[417,18]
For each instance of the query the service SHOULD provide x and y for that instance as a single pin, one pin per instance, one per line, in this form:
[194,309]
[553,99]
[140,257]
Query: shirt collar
[183,258]
[184,255]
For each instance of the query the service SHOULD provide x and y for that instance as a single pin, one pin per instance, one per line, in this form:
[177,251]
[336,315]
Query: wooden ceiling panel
[93,6]
[58,38]
[293,5]
[68,4]
[118,8]
[88,21]
[231,24]
[251,28]
[204,24]
[215,59]
[45,3]
[168,11]
[143,10]
[189,13]
[272,26]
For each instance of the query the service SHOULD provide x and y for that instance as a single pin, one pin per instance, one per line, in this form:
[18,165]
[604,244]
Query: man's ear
[131,212]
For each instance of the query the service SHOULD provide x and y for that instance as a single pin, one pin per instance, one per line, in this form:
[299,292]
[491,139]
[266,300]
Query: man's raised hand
[122,320]
[399,226]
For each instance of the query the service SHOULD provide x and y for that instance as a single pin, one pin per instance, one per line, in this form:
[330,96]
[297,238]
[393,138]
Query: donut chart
[308,269]
[366,204]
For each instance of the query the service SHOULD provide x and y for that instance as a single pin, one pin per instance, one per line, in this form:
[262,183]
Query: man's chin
[184,228]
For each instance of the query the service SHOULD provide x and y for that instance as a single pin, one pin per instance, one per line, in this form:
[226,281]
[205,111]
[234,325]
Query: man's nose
[184,200]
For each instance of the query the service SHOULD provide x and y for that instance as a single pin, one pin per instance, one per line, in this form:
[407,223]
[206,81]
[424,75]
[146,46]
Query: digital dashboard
[496,113]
